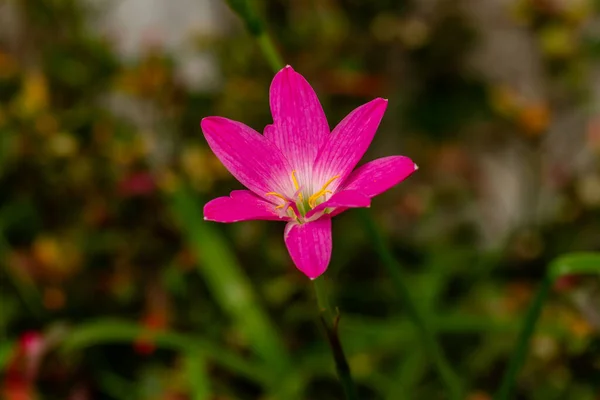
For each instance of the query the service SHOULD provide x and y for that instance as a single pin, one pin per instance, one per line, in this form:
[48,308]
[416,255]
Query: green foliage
[104,253]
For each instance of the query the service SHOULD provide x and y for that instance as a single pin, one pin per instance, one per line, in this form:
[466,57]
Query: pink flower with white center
[299,171]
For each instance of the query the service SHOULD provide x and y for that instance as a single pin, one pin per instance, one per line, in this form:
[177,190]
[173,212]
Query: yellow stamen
[312,199]
[282,197]
[293,212]
[296,185]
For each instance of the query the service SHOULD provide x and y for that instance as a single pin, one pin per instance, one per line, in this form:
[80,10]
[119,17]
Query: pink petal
[348,143]
[250,157]
[268,132]
[299,123]
[240,205]
[310,245]
[344,198]
[379,175]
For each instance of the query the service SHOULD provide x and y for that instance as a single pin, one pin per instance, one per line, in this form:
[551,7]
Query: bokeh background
[113,287]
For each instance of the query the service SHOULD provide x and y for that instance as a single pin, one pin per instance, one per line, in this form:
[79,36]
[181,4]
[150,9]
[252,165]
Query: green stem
[523,340]
[581,263]
[256,27]
[271,54]
[431,345]
[323,299]
[330,320]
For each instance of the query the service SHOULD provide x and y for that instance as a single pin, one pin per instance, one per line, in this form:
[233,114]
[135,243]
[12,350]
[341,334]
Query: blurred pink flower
[567,283]
[144,344]
[32,346]
[137,184]
[22,368]
[299,171]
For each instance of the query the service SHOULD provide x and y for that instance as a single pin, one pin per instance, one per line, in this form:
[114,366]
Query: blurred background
[112,286]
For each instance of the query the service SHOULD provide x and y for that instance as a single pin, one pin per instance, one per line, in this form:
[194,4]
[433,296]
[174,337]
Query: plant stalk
[329,320]
[523,340]
[431,345]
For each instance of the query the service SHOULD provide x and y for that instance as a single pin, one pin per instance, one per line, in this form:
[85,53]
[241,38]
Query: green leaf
[575,263]
[228,283]
[225,278]
[195,368]
[106,331]
[6,350]
[572,263]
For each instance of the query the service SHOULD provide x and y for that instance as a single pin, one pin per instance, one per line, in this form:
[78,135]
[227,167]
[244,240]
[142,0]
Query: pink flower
[137,184]
[299,171]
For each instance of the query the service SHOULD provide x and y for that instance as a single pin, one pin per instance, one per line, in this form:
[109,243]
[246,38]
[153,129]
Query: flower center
[312,200]
[297,206]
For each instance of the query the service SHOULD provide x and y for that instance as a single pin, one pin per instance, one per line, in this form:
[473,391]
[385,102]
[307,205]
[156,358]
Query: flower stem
[431,345]
[329,320]
[270,52]
[520,352]
[256,27]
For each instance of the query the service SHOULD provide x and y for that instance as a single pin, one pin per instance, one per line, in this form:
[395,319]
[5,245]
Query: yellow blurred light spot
[558,41]
[63,145]
[46,124]
[504,100]
[521,12]
[126,82]
[534,119]
[545,347]
[33,97]
[578,11]
[384,27]
[581,328]
[54,299]
[361,365]
[81,171]
[102,133]
[168,181]
[47,251]
[201,167]
[414,33]
[193,160]
[125,153]
[8,66]
[588,190]
[58,258]
[143,144]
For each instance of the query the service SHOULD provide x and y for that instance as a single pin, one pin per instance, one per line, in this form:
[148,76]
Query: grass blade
[568,264]
[107,331]
[432,346]
[229,285]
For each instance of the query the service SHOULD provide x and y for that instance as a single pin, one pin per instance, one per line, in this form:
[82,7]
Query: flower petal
[250,157]
[269,131]
[240,205]
[343,198]
[379,175]
[309,245]
[348,143]
[299,123]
